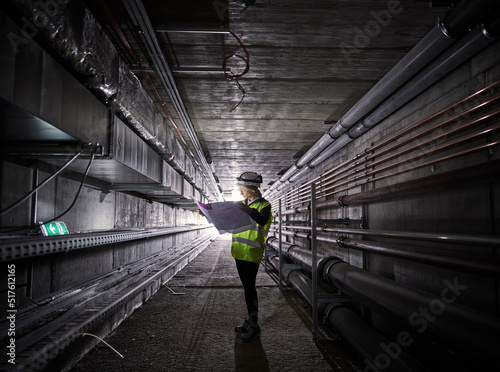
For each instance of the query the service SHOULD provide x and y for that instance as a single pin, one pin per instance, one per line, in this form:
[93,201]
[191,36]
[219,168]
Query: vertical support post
[279,244]
[314,264]
[34,199]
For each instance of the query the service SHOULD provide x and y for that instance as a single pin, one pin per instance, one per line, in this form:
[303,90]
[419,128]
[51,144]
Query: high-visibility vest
[249,245]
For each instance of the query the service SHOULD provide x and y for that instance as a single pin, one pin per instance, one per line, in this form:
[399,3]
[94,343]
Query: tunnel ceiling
[308,63]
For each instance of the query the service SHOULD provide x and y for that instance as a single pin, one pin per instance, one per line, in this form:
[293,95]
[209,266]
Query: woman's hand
[245,208]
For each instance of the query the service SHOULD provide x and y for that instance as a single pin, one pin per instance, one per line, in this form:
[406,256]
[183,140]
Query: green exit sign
[54,228]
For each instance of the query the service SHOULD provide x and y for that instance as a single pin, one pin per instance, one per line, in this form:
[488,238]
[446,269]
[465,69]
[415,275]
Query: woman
[247,249]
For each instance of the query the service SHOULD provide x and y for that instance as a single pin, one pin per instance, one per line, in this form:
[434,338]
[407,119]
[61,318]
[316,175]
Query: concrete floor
[189,326]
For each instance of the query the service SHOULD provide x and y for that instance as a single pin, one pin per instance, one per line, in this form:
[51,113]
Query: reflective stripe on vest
[248,241]
[249,245]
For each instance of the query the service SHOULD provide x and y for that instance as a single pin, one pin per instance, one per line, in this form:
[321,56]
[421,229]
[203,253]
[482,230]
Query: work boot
[242,328]
[252,333]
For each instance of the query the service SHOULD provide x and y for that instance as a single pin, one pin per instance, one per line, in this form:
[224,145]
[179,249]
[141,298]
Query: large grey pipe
[465,16]
[441,315]
[378,353]
[471,44]
[425,312]
[368,342]
[301,256]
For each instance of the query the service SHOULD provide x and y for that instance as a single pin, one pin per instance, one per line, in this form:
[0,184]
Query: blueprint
[227,217]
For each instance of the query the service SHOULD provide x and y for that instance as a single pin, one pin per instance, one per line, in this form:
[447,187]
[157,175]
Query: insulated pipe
[457,22]
[462,18]
[330,150]
[425,312]
[300,173]
[284,178]
[451,59]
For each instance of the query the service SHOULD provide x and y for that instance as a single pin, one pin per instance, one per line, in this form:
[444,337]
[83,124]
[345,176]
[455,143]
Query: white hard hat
[250,178]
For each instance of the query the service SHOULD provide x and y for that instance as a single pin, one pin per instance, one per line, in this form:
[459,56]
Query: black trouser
[248,274]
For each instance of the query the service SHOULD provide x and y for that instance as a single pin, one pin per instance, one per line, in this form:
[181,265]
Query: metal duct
[146,135]
[457,22]
[425,312]
[139,15]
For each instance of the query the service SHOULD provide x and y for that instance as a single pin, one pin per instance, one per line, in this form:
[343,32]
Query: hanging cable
[80,188]
[230,75]
[41,185]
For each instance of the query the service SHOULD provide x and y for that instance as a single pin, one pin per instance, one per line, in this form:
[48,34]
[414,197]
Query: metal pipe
[314,264]
[464,16]
[492,241]
[194,31]
[445,179]
[392,139]
[301,256]
[423,311]
[440,315]
[368,342]
[454,143]
[433,161]
[484,266]
[451,59]
[334,172]
[443,238]
[434,140]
